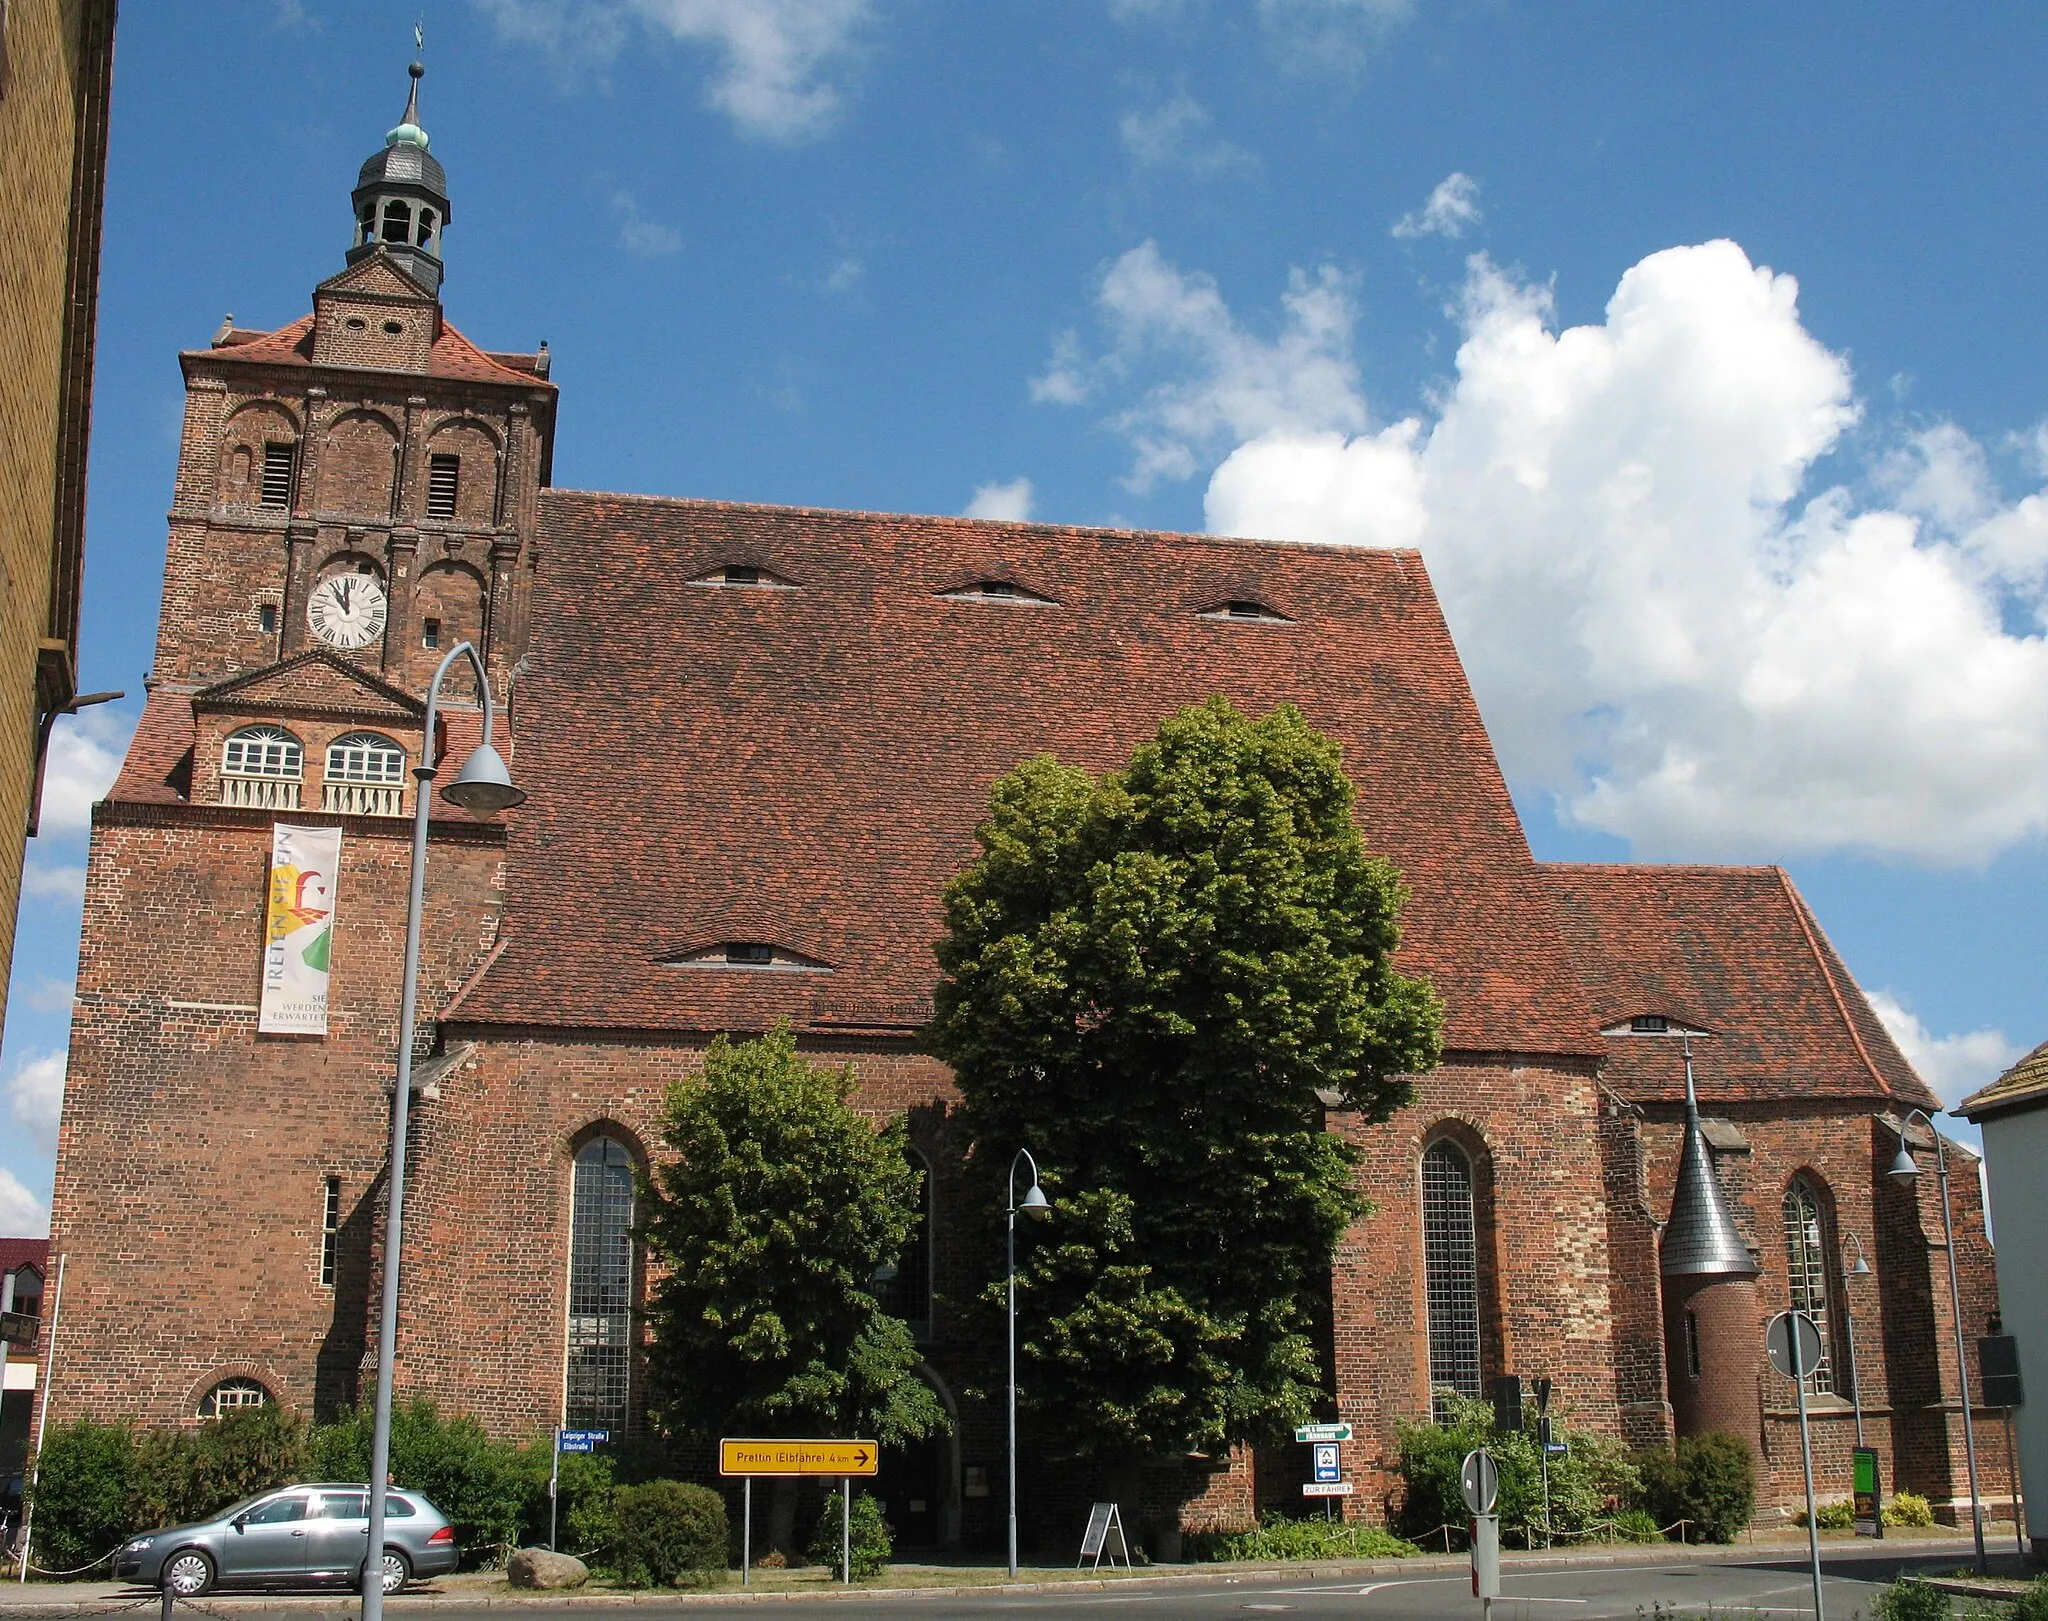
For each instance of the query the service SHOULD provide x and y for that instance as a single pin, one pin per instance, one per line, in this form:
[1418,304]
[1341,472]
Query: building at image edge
[758,741]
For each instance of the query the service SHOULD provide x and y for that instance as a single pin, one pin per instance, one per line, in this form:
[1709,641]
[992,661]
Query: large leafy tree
[771,1216]
[1147,979]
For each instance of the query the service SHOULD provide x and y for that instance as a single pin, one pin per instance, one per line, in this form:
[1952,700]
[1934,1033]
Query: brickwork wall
[52,160]
[194,1153]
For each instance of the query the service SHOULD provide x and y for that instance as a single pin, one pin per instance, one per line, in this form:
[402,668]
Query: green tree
[771,1218]
[1147,979]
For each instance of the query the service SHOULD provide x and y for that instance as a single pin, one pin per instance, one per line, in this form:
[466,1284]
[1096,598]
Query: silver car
[295,1536]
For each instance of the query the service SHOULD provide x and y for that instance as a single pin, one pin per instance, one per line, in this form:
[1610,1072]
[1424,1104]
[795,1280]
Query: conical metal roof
[1700,1239]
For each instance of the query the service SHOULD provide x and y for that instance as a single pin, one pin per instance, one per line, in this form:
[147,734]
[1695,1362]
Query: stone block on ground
[537,1567]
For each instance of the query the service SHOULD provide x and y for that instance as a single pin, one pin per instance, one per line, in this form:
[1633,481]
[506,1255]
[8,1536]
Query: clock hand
[343,593]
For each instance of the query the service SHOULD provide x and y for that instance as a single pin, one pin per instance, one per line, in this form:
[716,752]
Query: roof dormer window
[1649,1024]
[998,590]
[745,574]
[749,956]
[1246,610]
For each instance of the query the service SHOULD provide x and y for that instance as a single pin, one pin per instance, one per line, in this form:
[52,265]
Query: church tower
[360,484]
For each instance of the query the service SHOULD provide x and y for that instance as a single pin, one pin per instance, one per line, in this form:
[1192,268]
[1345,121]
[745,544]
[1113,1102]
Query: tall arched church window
[601,1285]
[908,1295]
[262,767]
[365,776]
[1450,1264]
[1808,1271]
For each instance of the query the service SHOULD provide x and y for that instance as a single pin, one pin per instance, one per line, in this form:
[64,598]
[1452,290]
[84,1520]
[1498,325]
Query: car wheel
[187,1573]
[397,1570]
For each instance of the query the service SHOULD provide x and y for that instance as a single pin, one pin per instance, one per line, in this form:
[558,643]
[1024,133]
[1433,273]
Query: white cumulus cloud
[780,62]
[35,1097]
[85,757]
[1009,502]
[1452,210]
[59,882]
[643,237]
[1175,134]
[1667,628]
[1954,1066]
[22,1214]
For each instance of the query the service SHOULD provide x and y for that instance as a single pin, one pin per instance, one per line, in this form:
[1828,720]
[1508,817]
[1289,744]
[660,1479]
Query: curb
[134,1599]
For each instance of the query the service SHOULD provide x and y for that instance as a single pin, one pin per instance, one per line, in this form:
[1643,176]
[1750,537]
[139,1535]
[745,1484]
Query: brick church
[757,741]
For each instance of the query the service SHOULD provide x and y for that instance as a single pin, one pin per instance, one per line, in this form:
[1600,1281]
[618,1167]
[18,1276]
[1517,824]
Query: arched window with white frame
[1809,1272]
[365,776]
[600,1349]
[1450,1266]
[262,767]
[231,1396]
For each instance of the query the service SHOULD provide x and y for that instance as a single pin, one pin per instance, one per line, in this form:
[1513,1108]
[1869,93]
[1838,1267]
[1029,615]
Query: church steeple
[401,197]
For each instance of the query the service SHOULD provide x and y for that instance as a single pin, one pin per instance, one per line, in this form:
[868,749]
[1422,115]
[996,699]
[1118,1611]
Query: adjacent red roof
[2024,1086]
[453,355]
[805,767]
[16,1253]
[1733,951]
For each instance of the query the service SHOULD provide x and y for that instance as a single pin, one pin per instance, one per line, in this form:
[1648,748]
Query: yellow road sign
[797,1457]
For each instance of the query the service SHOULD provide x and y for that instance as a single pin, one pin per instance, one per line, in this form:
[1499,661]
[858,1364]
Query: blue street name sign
[579,1440]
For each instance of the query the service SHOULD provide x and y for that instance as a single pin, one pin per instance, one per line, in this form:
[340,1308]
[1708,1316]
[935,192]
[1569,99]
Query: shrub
[1709,1480]
[868,1531]
[1908,1600]
[2032,1605]
[1836,1516]
[81,1503]
[1583,1480]
[665,1531]
[586,1519]
[483,1485]
[1908,1508]
[1275,1537]
[1637,1525]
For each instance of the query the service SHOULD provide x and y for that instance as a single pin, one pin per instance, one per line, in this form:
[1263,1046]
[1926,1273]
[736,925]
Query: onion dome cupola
[401,198]
[1700,1239]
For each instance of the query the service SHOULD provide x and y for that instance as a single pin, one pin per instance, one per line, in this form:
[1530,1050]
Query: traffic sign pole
[1793,1344]
[554,1489]
[747,1534]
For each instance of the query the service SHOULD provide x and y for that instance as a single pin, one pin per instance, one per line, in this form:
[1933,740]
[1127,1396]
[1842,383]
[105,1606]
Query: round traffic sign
[1793,1344]
[1479,1480]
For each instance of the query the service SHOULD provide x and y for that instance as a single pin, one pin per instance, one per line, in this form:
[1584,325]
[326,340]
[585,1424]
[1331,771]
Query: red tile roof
[16,1253]
[806,767]
[1732,950]
[453,355]
[2024,1086]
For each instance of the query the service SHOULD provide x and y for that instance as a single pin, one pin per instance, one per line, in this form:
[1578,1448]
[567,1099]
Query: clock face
[347,610]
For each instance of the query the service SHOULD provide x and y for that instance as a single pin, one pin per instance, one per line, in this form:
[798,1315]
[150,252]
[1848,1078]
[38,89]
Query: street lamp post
[482,786]
[1860,1270]
[1034,1205]
[1903,1169]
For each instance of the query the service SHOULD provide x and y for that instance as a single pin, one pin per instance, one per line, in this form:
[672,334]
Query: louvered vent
[444,478]
[277,475]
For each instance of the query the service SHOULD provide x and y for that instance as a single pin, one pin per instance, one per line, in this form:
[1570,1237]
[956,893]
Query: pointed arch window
[908,1295]
[1809,1273]
[600,1285]
[1450,1264]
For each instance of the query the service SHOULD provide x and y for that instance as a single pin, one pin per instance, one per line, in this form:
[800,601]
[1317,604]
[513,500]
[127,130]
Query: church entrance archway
[919,1483]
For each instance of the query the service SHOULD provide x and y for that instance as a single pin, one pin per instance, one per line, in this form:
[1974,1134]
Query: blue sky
[1699,350]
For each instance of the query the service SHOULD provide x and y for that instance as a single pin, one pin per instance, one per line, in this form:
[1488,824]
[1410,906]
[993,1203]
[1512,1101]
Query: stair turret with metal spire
[1700,1239]
[401,196]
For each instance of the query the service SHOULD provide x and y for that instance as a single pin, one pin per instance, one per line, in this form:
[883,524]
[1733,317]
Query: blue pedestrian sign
[580,1440]
[1326,1461]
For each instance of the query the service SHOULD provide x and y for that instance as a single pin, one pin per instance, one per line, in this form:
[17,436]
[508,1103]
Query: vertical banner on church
[298,937]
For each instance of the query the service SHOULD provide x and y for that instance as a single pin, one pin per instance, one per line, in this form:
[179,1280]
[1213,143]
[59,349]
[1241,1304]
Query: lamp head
[1034,1202]
[484,784]
[1862,1267]
[1902,1168]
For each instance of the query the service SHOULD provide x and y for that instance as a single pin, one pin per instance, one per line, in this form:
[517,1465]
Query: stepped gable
[1736,952]
[452,355]
[801,763]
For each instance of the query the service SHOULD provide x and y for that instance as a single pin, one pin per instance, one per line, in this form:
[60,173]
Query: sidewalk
[480,1590]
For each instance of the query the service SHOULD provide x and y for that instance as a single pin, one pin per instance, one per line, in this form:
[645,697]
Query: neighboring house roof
[452,355]
[2024,1086]
[16,1253]
[804,765]
[1732,951]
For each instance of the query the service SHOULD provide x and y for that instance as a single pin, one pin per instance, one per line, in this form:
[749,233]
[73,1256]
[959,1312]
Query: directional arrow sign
[798,1457]
[1322,1432]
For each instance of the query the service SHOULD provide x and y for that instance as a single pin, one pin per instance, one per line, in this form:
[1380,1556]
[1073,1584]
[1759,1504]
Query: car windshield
[241,1503]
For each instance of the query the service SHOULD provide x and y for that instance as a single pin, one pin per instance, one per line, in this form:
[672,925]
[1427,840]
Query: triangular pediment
[318,681]
[374,277]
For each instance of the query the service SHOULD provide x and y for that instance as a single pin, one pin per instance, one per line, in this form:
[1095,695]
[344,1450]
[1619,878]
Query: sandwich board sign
[1105,1535]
